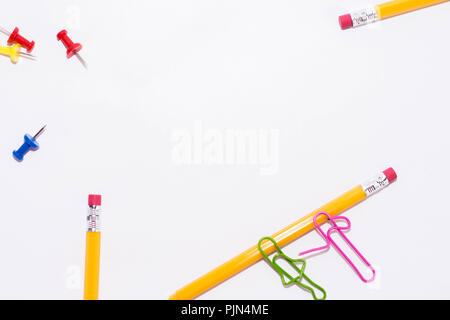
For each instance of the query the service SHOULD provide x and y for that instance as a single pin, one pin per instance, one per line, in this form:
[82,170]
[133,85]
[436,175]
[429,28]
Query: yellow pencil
[383,11]
[92,263]
[283,237]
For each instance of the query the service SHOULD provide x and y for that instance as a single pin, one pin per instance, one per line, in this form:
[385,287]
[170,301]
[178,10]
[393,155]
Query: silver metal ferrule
[364,16]
[375,184]
[93,219]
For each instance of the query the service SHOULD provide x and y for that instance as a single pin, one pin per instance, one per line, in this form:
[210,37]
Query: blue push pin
[30,143]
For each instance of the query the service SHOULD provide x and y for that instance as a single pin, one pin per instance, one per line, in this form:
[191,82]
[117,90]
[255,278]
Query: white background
[347,104]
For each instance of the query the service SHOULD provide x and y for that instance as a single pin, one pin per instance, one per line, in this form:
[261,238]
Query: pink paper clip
[329,241]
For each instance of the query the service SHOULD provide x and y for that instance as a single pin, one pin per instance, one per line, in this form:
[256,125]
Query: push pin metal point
[15,37]
[29,143]
[73,49]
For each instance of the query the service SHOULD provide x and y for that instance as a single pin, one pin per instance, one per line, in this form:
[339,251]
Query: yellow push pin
[14,53]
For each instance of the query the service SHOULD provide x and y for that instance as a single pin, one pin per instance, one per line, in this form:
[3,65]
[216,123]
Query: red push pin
[72,48]
[15,37]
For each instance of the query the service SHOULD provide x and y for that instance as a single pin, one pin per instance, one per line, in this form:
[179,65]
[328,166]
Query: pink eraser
[95,200]
[345,21]
[390,174]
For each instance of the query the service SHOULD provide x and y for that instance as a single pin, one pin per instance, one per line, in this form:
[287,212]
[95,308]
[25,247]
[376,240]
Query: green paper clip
[293,263]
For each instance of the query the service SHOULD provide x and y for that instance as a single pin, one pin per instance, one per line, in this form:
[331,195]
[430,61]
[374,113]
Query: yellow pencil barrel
[396,7]
[92,265]
[284,236]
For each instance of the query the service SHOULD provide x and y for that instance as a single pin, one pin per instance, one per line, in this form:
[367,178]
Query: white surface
[346,104]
